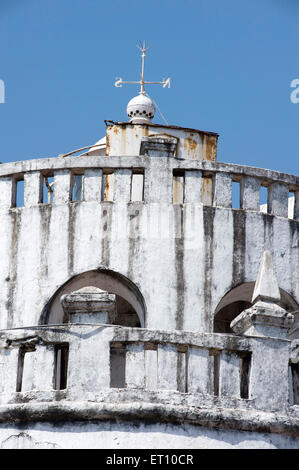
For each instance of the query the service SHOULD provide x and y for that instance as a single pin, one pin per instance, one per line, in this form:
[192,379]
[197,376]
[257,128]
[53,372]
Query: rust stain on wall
[190,145]
[123,140]
[206,191]
[107,142]
[178,189]
[211,148]
[107,187]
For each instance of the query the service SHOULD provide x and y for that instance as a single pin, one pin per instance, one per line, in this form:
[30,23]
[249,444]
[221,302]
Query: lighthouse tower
[138,307]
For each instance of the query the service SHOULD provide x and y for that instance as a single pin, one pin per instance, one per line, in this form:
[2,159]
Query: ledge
[155,413]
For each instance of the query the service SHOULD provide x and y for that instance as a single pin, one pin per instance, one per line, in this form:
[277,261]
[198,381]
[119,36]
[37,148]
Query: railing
[86,360]
[137,179]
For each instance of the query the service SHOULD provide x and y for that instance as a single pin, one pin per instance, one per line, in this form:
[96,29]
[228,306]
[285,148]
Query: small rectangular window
[294,370]
[216,373]
[264,199]
[61,365]
[48,189]
[178,186]
[182,367]
[291,205]
[245,361]
[236,197]
[117,366]
[20,370]
[19,201]
[77,187]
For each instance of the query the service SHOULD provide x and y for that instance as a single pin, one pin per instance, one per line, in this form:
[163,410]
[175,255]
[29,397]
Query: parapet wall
[177,376]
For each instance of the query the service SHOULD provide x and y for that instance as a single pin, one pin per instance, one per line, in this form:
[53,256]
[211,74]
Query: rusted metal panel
[210,148]
[125,139]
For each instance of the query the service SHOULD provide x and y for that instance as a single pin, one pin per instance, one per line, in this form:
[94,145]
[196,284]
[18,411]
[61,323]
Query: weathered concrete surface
[48,165]
[132,435]
[158,234]
[45,246]
[266,287]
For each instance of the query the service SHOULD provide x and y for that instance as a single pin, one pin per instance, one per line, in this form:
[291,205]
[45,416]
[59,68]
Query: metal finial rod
[119,81]
[143,49]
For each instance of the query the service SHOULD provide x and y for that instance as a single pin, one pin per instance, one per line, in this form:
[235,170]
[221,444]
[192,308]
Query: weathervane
[119,81]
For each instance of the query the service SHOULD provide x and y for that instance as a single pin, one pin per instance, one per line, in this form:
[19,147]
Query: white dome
[141,109]
[99,148]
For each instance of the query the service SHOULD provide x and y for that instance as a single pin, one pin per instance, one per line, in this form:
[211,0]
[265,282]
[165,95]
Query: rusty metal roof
[110,122]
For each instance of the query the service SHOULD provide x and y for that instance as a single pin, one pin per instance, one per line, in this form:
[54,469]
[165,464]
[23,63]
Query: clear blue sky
[231,64]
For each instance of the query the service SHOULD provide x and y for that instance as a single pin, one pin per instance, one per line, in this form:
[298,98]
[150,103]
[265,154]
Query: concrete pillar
[7,192]
[62,186]
[167,366]
[89,305]
[33,188]
[193,186]
[135,370]
[8,370]
[198,370]
[122,185]
[92,185]
[223,190]
[38,369]
[151,366]
[229,374]
[89,360]
[250,193]
[278,195]
[267,324]
[158,183]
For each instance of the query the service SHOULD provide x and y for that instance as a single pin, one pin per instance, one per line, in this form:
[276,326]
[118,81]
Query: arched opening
[131,310]
[239,299]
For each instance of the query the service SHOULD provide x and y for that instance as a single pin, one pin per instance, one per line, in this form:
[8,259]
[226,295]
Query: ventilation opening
[61,364]
[137,186]
[207,190]
[264,199]
[20,370]
[182,368]
[118,365]
[294,384]
[245,361]
[178,187]
[77,187]
[236,195]
[48,189]
[19,194]
[216,372]
[108,186]
[291,205]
